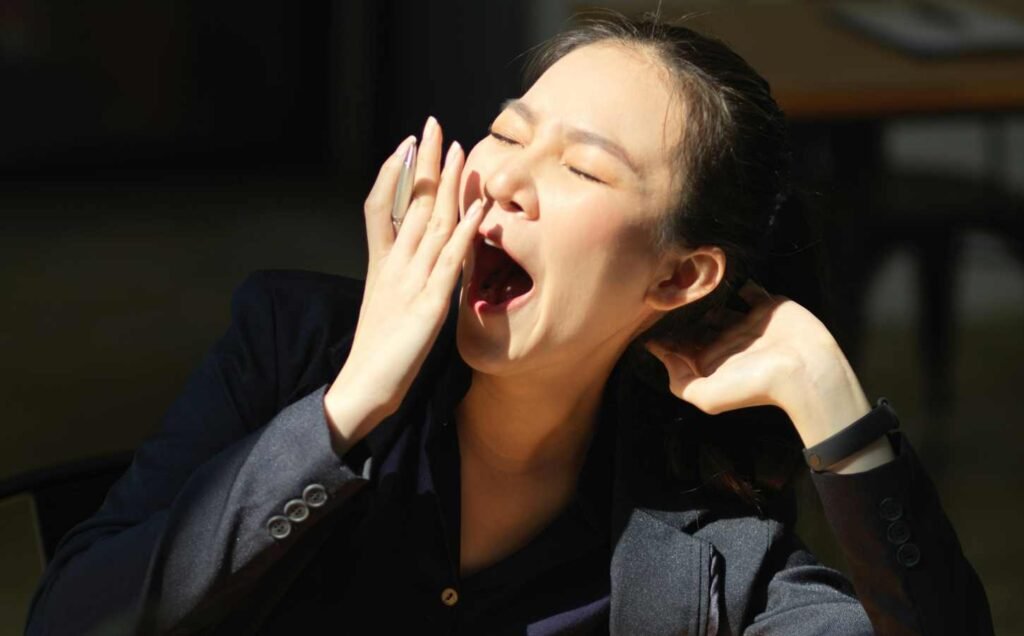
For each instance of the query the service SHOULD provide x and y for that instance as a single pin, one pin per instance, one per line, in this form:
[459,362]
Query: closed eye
[507,141]
[584,175]
[503,139]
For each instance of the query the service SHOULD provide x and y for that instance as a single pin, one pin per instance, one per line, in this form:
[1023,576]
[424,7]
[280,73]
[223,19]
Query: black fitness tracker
[853,438]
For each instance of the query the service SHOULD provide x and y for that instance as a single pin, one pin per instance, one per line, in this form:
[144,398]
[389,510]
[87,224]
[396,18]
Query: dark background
[152,154]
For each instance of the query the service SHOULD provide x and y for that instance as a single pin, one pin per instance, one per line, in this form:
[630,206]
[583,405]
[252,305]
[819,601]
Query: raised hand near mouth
[409,281]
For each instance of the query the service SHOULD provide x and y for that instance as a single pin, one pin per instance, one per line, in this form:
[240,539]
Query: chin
[487,346]
[482,347]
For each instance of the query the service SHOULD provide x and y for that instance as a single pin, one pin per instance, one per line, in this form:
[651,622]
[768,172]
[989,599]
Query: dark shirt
[393,565]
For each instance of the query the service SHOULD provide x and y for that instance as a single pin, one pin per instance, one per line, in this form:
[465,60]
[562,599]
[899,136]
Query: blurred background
[154,153]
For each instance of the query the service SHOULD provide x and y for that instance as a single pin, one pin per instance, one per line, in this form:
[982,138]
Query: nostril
[507,204]
[510,206]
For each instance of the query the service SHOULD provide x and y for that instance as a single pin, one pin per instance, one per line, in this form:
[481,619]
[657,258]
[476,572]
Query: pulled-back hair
[732,191]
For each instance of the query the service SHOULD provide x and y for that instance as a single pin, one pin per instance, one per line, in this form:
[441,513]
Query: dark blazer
[194,537]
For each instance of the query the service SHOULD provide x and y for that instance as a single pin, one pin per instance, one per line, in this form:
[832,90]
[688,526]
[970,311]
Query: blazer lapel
[660,573]
[660,579]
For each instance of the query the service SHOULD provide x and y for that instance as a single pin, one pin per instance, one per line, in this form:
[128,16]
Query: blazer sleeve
[239,473]
[907,566]
[909,573]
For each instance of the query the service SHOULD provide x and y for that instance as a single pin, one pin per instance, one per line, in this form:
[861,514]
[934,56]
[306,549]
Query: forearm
[349,417]
[245,511]
[903,553]
[191,561]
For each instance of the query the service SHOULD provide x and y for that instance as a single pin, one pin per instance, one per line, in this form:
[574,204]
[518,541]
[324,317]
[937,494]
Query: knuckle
[433,224]
[447,259]
[438,226]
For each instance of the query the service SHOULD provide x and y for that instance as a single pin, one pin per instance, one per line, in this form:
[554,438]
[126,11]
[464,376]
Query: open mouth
[498,280]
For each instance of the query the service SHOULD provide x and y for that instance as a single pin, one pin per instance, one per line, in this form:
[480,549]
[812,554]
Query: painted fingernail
[430,129]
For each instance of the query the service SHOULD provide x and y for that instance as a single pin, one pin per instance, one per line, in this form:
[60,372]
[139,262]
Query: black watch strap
[853,438]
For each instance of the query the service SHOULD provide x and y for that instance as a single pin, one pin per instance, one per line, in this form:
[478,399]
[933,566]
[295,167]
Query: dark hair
[733,191]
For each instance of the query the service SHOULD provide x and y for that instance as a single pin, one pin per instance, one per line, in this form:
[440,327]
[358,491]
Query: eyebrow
[577,135]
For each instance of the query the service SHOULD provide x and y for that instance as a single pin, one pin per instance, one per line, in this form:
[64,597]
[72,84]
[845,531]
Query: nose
[510,185]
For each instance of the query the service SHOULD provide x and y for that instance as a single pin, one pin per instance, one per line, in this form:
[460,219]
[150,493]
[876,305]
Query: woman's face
[575,174]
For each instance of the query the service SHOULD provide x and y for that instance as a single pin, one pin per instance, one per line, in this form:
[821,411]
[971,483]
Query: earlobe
[687,278]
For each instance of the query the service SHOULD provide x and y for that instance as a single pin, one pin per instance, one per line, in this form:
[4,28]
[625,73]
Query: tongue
[505,284]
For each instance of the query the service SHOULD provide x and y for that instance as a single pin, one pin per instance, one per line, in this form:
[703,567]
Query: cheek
[603,255]
[632,256]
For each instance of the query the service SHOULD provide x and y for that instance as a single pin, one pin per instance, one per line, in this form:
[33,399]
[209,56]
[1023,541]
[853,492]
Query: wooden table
[820,69]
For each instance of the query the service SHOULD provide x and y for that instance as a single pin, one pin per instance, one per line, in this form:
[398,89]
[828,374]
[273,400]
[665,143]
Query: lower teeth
[495,297]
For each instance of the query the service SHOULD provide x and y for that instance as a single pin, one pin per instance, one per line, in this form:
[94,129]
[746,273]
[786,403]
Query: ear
[686,277]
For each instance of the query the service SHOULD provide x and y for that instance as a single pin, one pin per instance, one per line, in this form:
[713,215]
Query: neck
[532,425]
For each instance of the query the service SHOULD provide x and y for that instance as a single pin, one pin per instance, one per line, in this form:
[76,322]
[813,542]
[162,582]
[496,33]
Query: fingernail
[430,129]
[452,151]
[403,147]
[475,208]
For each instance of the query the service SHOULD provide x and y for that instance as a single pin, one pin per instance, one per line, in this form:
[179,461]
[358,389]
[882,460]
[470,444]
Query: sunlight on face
[578,170]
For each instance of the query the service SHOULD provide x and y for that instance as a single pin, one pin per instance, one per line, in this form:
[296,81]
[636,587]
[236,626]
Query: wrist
[875,454]
[823,397]
[349,418]
[862,445]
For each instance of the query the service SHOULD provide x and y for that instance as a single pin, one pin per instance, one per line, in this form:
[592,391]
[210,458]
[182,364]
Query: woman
[511,465]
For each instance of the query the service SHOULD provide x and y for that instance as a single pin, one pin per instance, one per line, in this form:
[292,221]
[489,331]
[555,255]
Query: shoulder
[291,289]
[302,320]
[294,299]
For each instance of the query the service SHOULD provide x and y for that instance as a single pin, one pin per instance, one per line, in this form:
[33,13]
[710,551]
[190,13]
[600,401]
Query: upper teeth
[491,243]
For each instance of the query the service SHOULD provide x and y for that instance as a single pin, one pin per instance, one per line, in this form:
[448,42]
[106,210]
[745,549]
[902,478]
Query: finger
[678,365]
[684,381]
[445,214]
[449,262]
[424,189]
[736,303]
[711,395]
[380,234]
[723,318]
[754,294]
[710,360]
[737,337]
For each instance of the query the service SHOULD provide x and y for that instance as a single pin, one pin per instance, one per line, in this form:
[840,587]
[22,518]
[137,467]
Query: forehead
[617,91]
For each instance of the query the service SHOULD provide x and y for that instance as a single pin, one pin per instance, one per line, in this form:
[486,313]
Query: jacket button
[890,509]
[296,511]
[814,461]
[279,527]
[908,555]
[898,532]
[449,596]
[314,495]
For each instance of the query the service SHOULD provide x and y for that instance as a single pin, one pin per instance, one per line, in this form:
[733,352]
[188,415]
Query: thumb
[681,368]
